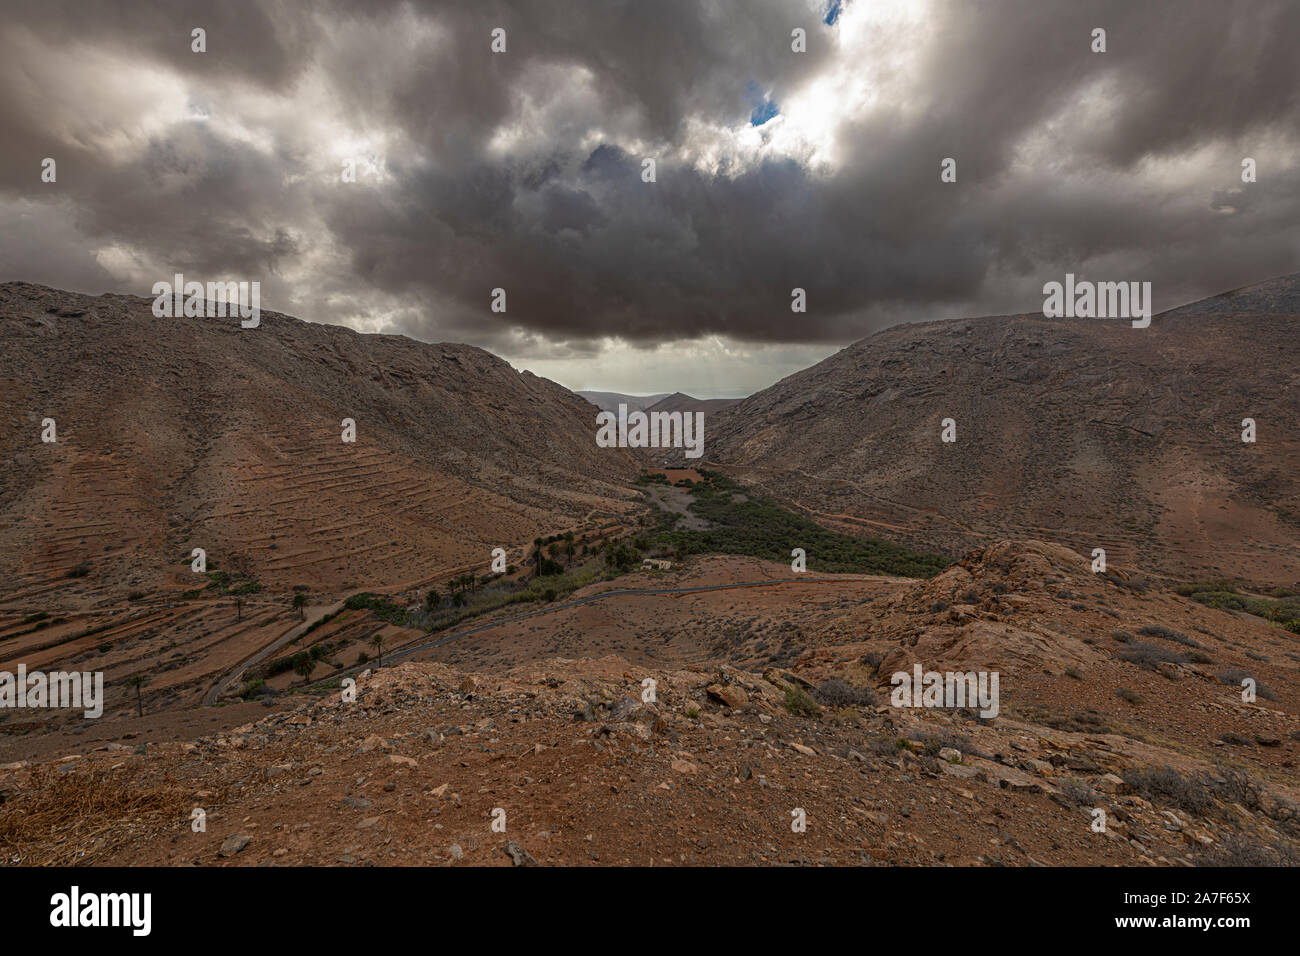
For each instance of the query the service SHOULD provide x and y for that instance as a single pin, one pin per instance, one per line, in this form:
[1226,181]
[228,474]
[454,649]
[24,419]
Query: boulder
[518,855]
[728,694]
[234,843]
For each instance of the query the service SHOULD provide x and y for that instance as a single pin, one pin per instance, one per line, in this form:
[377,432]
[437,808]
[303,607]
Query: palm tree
[377,642]
[304,667]
[300,602]
[433,598]
[239,608]
[137,681]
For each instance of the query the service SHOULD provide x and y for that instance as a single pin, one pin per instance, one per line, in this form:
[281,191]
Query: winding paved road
[287,637]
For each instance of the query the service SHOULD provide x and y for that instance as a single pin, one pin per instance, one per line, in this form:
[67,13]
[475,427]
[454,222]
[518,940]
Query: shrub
[931,744]
[840,693]
[800,704]
[1157,630]
[1235,850]
[1166,785]
[1130,696]
[1235,786]
[1149,655]
[884,746]
[1233,676]
[1078,793]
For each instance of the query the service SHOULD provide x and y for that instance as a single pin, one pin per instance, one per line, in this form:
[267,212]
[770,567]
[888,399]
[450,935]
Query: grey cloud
[587,250]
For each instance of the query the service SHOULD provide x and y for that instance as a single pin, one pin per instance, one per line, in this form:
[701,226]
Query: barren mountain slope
[185,432]
[1084,431]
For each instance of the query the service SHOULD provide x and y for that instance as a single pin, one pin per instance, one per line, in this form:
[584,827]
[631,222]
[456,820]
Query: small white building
[656,564]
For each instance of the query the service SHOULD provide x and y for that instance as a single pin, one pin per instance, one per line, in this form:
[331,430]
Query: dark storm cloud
[523,170]
[262,42]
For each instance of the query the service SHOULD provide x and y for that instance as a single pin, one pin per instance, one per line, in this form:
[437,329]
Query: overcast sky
[774,169]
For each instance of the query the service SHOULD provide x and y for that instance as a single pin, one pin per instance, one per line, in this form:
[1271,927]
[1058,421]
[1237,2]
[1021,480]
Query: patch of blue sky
[763,107]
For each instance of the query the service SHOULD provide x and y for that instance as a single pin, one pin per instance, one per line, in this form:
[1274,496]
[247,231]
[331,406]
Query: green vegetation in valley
[743,523]
[558,565]
[1281,608]
[381,607]
[555,582]
[225,583]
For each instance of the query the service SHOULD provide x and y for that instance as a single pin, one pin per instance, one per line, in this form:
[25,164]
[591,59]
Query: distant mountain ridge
[609,401]
[680,402]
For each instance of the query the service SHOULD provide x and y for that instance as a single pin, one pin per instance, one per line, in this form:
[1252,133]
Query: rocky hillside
[176,433]
[1113,697]
[579,770]
[1083,431]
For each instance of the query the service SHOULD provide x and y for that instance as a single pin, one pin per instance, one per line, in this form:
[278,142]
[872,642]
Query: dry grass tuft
[61,819]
